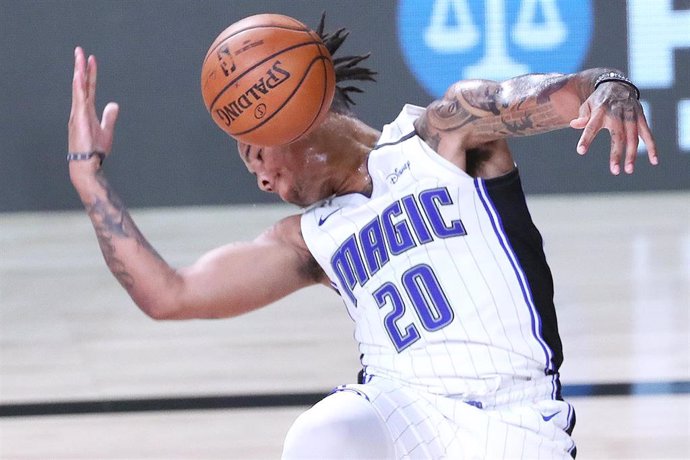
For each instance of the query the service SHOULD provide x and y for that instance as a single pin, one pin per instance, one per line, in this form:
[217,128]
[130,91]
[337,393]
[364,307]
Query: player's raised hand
[614,106]
[87,133]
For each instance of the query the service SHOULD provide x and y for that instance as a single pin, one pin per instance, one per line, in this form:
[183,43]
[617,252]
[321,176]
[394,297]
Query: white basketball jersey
[443,274]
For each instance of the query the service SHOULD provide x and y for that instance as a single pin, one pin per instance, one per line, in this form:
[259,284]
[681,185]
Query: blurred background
[169,153]
[83,374]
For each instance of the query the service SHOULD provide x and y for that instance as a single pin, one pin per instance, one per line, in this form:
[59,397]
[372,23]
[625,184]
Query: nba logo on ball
[444,41]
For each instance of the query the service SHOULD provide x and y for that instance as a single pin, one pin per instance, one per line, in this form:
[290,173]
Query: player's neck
[350,144]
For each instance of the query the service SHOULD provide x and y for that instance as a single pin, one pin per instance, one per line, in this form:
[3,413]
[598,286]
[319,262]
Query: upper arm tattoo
[426,132]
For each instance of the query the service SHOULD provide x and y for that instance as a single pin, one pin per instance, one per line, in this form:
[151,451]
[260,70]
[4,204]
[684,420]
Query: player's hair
[346,68]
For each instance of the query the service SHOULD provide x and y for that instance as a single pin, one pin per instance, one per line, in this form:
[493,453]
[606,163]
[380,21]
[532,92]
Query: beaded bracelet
[86,156]
[615,76]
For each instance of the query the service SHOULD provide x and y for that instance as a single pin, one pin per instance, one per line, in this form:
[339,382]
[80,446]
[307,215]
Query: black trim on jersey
[402,139]
[508,199]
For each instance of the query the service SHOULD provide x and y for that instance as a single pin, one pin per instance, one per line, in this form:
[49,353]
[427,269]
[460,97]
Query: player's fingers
[78,58]
[582,118]
[108,120]
[617,146]
[579,122]
[78,81]
[110,117]
[648,139]
[594,125]
[631,143]
[92,72]
[78,137]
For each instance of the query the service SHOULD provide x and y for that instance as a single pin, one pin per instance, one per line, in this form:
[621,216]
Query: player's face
[297,172]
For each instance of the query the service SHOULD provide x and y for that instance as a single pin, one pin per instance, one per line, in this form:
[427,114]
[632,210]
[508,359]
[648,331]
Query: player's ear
[244,150]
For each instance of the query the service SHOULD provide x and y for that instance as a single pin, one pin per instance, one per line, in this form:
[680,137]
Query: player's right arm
[225,282]
[473,113]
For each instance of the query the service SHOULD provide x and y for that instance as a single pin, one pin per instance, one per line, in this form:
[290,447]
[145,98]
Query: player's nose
[265,182]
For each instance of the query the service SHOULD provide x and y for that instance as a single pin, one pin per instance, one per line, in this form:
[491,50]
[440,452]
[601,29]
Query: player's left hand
[614,106]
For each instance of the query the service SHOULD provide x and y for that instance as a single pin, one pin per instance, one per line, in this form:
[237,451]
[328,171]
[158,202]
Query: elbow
[161,310]
[159,314]
[165,302]
[166,313]
[176,310]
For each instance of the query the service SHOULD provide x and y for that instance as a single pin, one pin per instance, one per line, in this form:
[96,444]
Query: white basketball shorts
[427,426]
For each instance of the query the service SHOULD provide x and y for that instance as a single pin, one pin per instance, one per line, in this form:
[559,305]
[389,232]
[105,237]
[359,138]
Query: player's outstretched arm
[225,282]
[474,112]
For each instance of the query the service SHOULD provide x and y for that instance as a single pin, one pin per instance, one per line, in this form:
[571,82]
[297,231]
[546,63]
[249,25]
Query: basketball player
[423,231]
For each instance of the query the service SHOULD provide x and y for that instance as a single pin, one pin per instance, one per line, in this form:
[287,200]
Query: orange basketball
[267,80]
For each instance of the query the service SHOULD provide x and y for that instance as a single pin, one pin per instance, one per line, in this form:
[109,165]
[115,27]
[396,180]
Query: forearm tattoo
[112,221]
[520,107]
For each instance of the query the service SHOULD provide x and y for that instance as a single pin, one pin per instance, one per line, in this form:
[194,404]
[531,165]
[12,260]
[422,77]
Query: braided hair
[346,68]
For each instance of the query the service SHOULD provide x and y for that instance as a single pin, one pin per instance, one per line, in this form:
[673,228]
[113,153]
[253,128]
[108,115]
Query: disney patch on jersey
[397,173]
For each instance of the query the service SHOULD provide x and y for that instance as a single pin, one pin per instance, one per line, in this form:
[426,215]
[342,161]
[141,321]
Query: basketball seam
[211,50]
[287,99]
[268,58]
[323,95]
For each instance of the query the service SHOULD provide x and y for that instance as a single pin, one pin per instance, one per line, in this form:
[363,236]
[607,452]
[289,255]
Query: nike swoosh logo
[549,417]
[322,219]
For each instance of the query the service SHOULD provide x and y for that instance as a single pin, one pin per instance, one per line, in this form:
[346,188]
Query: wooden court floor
[69,333]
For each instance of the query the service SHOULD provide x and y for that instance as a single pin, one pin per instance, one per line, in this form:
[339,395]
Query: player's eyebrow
[246,153]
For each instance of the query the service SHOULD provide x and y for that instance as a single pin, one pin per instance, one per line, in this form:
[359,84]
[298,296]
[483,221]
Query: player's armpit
[289,232]
[241,277]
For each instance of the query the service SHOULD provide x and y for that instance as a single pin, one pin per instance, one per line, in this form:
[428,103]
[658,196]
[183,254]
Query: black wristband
[86,156]
[615,76]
